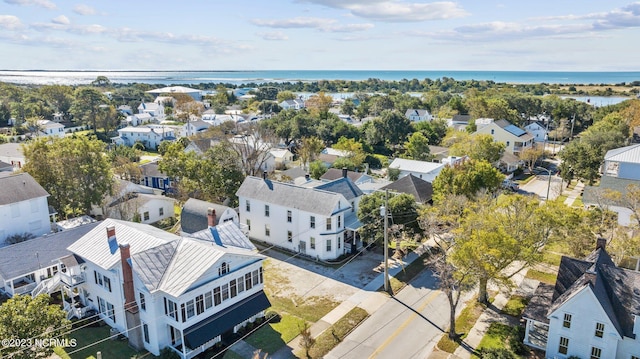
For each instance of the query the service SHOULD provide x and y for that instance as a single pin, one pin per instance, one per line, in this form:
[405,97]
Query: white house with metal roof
[51,128]
[515,138]
[23,206]
[418,115]
[194,93]
[149,136]
[424,170]
[158,289]
[306,220]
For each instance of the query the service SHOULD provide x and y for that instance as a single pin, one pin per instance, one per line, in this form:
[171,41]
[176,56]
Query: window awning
[200,333]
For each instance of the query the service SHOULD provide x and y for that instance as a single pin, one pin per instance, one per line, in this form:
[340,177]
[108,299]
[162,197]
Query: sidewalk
[574,193]
[367,298]
[493,314]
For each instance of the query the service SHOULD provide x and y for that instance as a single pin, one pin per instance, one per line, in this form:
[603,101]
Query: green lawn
[274,335]
[465,321]
[526,179]
[336,333]
[549,278]
[578,202]
[109,348]
[551,258]
[505,338]
[515,306]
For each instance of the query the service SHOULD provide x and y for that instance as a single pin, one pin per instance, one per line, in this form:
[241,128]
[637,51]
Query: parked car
[510,185]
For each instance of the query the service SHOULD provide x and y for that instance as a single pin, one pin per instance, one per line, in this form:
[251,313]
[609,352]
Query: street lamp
[384,212]
[549,180]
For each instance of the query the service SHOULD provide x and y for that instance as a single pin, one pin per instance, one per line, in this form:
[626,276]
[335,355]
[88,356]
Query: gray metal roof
[594,194]
[310,200]
[174,267]
[226,234]
[28,256]
[93,247]
[335,173]
[629,154]
[344,186]
[19,187]
[150,169]
[193,217]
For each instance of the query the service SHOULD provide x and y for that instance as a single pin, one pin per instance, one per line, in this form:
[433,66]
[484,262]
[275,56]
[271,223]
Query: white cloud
[82,9]
[396,10]
[296,22]
[62,20]
[42,3]
[10,22]
[273,36]
[322,24]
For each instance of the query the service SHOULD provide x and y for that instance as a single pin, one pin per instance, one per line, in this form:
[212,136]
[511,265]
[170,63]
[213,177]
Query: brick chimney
[127,277]
[344,172]
[601,243]
[211,217]
[111,231]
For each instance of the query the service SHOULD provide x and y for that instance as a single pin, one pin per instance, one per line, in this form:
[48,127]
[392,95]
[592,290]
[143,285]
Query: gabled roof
[19,187]
[616,289]
[11,150]
[310,200]
[335,173]
[94,247]
[343,186]
[461,118]
[193,217]
[28,256]
[629,154]
[416,112]
[150,169]
[173,267]
[416,166]
[420,189]
[227,235]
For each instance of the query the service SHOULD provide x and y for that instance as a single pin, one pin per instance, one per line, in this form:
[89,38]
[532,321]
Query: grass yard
[515,306]
[544,277]
[505,337]
[109,348]
[551,258]
[465,321]
[274,335]
[336,333]
[526,179]
[578,202]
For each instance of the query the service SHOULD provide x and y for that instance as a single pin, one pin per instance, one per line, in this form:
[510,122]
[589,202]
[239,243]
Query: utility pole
[573,121]
[385,214]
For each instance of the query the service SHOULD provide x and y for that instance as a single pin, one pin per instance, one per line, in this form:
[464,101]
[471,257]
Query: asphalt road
[407,326]
[539,185]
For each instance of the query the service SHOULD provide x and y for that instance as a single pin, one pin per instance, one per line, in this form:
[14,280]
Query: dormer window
[224,268]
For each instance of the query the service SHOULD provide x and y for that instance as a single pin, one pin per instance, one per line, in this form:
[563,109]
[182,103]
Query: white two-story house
[150,137]
[418,115]
[306,220]
[515,139]
[158,289]
[23,206]
[593,311]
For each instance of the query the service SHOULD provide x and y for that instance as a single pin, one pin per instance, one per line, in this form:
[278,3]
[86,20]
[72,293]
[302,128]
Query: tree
[498,238]
[467,178]
[24,317]
[317,169]
[307,341]
[319,105]
[439,222]
[252,149]
[348,107]
[310,148]
[34,125]
[86,106]
[214,176]
[531,155]
[353,148]
[478,147]
[285,95]
[417,147]
[74,170]
[402,208]
[59,97]
[101,81]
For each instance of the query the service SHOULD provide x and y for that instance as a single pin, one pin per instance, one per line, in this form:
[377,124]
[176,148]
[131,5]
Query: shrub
[168,353]
[496,353]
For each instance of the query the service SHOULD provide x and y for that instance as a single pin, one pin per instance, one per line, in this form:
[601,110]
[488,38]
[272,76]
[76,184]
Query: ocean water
[245,77]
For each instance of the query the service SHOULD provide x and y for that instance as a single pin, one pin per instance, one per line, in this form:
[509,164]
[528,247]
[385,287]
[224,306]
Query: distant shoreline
[239,77]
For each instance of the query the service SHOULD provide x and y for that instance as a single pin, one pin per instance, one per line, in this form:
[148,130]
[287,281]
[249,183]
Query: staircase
[46,286]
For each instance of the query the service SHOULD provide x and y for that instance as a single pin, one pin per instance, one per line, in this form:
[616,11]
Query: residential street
[406,326]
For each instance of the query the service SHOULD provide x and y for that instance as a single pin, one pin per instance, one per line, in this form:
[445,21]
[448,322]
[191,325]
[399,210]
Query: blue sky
[563,35]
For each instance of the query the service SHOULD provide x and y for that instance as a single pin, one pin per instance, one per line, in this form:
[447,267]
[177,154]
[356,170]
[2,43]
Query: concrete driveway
[538,186]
